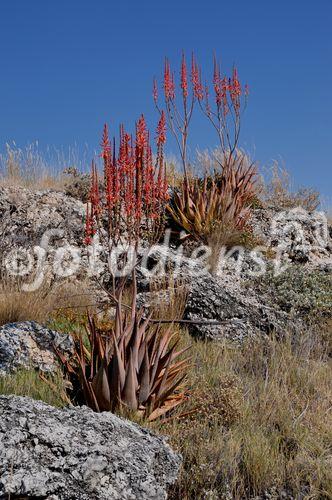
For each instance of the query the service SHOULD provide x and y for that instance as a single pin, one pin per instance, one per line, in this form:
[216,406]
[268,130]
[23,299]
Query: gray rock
[26,215]
[237,311]
[30,345]
[300,236]
[42,240]
[76,454]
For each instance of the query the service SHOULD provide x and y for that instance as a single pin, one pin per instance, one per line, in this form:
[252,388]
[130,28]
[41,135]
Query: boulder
[30,345]
[76,454]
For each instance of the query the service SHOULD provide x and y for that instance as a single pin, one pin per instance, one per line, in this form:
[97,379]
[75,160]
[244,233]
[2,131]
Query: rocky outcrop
[28,216]
[76,454]
[298,235]
[41,239]
[30,345]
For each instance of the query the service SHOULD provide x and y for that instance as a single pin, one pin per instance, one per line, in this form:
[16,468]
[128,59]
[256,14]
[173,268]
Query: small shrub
[299,291]
[221,404]
[77,184]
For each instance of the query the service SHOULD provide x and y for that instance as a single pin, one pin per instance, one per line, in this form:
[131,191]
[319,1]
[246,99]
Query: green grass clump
[28,383]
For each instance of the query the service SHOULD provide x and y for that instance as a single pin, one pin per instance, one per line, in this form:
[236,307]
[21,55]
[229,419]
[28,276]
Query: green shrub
[299,291]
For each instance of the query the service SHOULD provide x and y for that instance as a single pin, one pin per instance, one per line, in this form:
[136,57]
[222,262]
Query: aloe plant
[133,366]
[202,205]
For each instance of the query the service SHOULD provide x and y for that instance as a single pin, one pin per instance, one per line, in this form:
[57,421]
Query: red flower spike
[169,86]
[141,133]
[135,188]
[161,129]
[89,226]
[155,91]
[105,144]
[196,80]
[94,191]
[184,79]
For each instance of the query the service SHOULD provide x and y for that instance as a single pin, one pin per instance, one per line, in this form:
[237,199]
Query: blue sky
[69,66]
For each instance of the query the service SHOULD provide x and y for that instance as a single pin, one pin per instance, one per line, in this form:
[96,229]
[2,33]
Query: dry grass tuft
[49,302]
[277,192]
[32,168]
[18,305]
[223,239]
[171,297]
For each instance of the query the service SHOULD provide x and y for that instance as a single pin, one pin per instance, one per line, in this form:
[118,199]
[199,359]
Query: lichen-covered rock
[237,311]
[42,240]
[26,216]
[76,454]
[30,345]
[298,235]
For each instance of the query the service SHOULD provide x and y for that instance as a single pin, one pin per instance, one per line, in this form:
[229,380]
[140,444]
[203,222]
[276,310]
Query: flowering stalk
[135,188]
[228,110]
[178,121]
[225,116]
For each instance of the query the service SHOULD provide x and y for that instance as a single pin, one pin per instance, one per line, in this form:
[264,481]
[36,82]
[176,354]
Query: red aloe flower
[89,225]
[135,187]
[155,91]
[141,145]
[161,129]
[235,90]
[196,80]
[224,89]
[105,144]
[141,134]
[109,183]
[217,83]
[184,79]
[94,191]
[169,86]
[148,180]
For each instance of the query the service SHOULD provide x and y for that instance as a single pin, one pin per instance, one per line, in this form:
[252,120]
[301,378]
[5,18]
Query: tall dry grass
[34,168]
[171,295]
[277,190]
[48,303]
